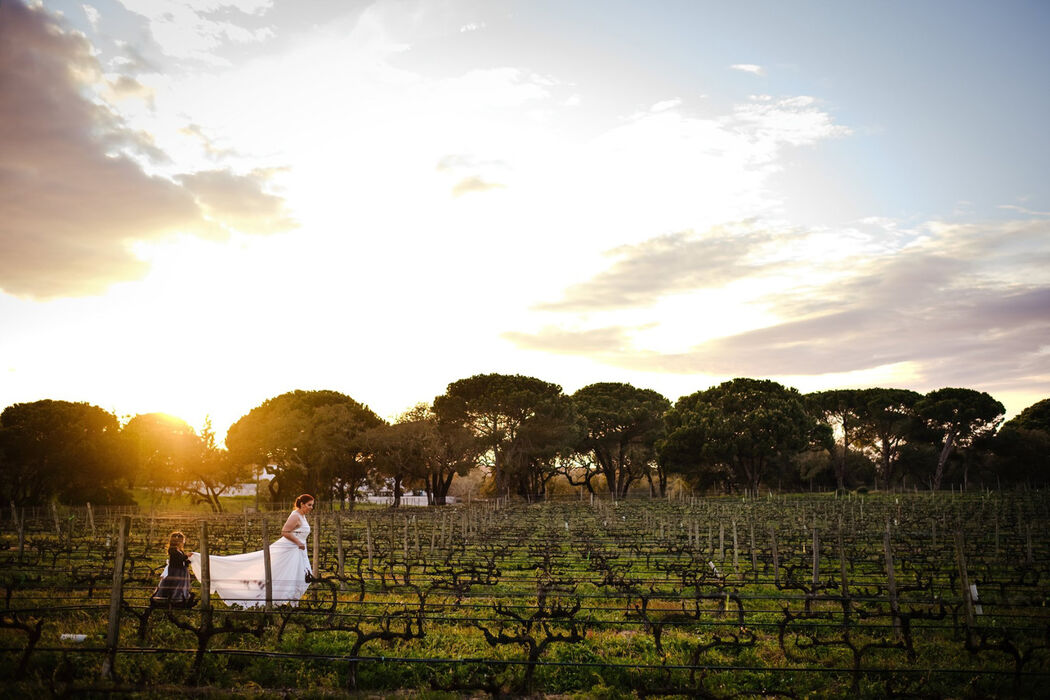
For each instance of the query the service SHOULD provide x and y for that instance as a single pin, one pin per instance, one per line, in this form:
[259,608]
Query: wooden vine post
[754,554]
[736,550]
[891,581]
[116,595]
[20,527]
[54,514]
[267,568]
[205,568]
[843,575]
[776,556]
[339,553]
[964,582]
[368,542]
[91,519]
[316,532]
[816,559]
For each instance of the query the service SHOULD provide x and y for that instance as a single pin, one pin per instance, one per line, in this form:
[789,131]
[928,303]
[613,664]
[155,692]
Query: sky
[207,203]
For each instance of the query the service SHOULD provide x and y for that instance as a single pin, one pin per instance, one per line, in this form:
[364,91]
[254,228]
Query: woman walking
[240,579]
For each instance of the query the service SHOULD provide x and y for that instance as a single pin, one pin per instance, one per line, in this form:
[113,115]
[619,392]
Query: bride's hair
[175,540]
[305,498]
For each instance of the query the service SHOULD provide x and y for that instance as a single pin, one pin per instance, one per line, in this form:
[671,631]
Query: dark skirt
[174,589]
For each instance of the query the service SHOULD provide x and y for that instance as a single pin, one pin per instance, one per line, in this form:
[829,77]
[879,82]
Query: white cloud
[749,68]
[665,105]
[92,15]
[793,121]
[184,30]
[1023,210]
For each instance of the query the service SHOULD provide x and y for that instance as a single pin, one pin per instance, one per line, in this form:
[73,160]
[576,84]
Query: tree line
[529,437]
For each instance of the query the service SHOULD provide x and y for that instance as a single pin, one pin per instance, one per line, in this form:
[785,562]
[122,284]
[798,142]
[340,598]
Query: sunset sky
[207,203]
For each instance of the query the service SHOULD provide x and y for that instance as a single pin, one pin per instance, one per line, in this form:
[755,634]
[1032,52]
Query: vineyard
[916,595]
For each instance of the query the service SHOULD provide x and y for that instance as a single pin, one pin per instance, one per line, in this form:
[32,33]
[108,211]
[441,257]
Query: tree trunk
[840,467]
[886,465]
[946,452]
[441,487]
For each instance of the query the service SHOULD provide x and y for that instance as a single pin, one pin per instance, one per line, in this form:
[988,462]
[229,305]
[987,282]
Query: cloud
[74,194]
[665,105]
[474,184]
[125,87]
[793,121]
[470,173]
[1024,210]
[238,201]
[749,68]
[197,30]
[207,143]
[953,301]
[92,14]
[596,341]
[677,262]
[676,166]
[999,331]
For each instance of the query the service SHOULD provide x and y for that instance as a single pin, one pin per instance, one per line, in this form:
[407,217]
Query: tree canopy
[523,432]
[523,423]
[739,430]
[959,416]
[622,424]
[168,455]
[309,439]
[1035,417]
[842,407]
[65,450]
[1022,445]
[887,420]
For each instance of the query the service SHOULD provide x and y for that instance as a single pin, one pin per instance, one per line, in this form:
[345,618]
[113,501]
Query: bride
[240,579]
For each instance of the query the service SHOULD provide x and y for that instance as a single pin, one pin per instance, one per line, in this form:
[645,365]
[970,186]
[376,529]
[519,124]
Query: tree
[1022,445]
[161,448]
[960,417]
[840,407]
[741,428]
[1035,417]
[418,450]
[522,423]
[213,473]
[61,449]
[450,450]
[169,455]
[311,439]
[397,451]
[622,425]
[886,419]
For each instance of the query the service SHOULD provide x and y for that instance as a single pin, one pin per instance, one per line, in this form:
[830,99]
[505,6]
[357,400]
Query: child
[174,588]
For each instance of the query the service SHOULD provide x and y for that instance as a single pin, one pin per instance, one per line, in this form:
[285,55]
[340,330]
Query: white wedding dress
[240,579]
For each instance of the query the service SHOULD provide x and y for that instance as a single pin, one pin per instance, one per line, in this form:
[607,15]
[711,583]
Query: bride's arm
[288,531]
